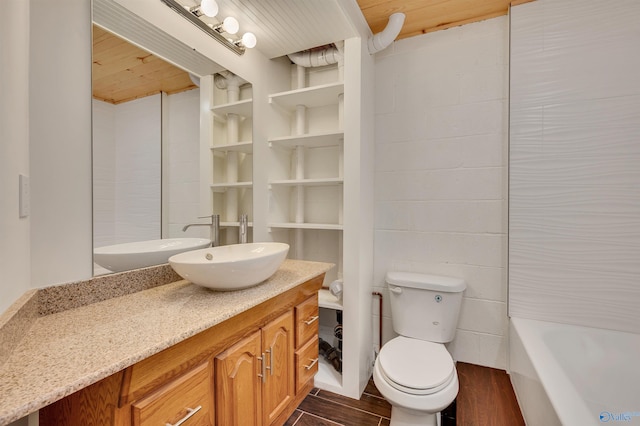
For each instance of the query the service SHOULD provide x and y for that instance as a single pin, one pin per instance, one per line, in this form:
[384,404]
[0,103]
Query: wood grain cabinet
[186,401]
[255,377]
[253,369]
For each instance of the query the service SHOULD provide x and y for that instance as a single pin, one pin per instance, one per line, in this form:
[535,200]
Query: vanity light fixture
[229,25]
[209,8]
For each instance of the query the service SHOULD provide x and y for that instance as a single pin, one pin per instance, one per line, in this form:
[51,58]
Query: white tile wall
[104,173]
[440,182]
[575,150]
[126,171]
[183,133]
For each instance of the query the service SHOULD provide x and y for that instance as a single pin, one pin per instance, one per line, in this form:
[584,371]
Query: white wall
[575,156]
[183,174]
[14,148]
[104,173]
[127,170]
[440,180]
[60,141]
[138,127]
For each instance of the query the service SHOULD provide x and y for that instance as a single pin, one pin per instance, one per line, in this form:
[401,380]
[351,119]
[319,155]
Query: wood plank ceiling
[424,16]
[123,72]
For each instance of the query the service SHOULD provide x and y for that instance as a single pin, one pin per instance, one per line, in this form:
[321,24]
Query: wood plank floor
[485,398]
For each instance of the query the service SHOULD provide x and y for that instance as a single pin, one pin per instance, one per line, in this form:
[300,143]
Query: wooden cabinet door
[279,383]
[238,383]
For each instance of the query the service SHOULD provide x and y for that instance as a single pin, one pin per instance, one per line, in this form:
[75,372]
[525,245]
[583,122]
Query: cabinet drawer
[188,398]
[307,320]
[306,363]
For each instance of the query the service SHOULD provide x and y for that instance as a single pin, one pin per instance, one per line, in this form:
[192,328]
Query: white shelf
[316,140]
[243,108]
[311,97]
[327,378]
[328,300]
[308,182]
[246,147]
[293,225]
[221,187]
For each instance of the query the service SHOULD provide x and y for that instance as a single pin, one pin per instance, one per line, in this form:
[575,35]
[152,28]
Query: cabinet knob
[190,412]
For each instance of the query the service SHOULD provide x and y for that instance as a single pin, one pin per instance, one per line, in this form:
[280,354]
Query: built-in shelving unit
[307,168]
[232,154]
[306,185]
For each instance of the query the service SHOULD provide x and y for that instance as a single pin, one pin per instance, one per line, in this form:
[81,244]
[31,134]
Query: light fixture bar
[237,49]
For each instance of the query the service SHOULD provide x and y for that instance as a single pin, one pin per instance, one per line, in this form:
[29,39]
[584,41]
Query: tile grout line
[296,421]
[350,407]
[318,417]
[374,396]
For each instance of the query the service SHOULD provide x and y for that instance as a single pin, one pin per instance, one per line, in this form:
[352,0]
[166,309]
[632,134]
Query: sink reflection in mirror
[140,254]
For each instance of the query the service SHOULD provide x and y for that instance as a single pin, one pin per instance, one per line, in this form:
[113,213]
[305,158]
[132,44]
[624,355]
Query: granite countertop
[66,351]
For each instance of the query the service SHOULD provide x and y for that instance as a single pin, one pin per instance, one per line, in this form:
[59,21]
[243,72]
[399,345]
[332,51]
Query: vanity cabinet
[247,370]
[255,377]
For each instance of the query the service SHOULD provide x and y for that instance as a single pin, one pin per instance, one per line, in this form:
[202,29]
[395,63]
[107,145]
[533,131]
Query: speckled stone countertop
[65,351]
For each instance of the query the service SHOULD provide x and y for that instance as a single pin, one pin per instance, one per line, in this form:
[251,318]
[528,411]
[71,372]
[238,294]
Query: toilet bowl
[418,378]
[414,371]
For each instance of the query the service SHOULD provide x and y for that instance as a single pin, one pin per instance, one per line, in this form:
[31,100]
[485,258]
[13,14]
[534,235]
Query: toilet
[414,371]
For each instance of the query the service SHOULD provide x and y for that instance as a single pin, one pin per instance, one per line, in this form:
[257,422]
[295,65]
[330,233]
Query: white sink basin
[231,267]
[140,254]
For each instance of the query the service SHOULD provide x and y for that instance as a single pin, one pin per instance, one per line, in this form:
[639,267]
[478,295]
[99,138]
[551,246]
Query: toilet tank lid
[426,282]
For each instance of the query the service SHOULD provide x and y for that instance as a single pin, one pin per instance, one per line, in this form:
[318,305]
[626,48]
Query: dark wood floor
[485,398]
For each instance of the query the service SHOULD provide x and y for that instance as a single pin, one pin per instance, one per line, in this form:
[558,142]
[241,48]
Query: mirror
[148,112]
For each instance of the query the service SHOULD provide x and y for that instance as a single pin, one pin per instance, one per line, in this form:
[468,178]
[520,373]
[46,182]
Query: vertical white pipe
[300,77]
[299,191]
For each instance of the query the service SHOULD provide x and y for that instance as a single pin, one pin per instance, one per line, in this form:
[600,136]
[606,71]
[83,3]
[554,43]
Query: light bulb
[209,8]
[230,25]
[249,40]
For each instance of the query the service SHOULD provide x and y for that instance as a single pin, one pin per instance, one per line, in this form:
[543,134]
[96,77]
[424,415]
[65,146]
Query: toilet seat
[415,366]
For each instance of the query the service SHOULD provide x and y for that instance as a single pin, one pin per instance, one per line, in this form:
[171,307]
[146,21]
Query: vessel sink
[140,254]
[230,267]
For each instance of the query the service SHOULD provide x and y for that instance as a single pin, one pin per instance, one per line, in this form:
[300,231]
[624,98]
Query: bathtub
[571,375]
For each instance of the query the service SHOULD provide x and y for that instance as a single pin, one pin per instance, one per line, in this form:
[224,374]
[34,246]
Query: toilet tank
[424,306]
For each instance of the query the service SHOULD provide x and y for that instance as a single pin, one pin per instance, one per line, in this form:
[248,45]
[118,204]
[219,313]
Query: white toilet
[414,371]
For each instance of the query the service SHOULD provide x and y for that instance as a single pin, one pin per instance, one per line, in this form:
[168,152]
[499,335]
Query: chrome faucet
[243,229]
[215,228]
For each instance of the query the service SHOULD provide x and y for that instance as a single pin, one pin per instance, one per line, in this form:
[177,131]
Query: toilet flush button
[438,298]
